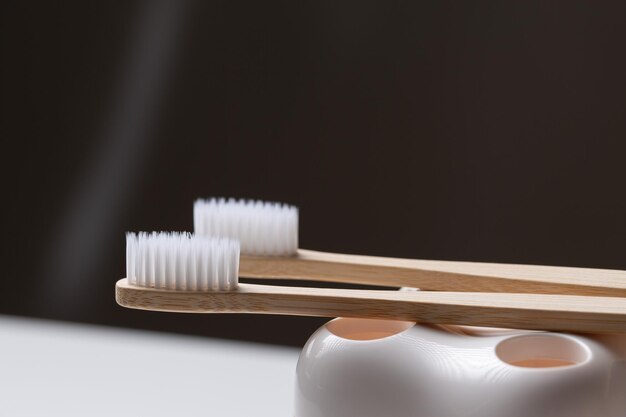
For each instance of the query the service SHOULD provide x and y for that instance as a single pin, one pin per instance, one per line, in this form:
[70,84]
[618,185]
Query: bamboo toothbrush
[268,233]
[183,273]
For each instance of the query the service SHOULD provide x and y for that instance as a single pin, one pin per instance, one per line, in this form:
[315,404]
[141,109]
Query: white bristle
[181,261]
[262,228]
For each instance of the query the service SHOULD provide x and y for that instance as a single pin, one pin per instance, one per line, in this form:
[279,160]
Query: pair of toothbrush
[184,273]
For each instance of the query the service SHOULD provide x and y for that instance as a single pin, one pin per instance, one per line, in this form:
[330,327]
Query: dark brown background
[486,131]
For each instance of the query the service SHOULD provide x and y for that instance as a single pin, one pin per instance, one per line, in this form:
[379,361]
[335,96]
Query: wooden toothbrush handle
[520,311]
[436,275]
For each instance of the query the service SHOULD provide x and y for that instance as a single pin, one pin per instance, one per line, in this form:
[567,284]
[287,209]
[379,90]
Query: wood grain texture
[437,275]
[520,311]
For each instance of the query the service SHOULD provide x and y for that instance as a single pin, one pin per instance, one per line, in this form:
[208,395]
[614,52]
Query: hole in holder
[541,351]
[367,329]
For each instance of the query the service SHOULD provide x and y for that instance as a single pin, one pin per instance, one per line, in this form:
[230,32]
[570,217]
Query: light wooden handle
[437,275]
[521,311]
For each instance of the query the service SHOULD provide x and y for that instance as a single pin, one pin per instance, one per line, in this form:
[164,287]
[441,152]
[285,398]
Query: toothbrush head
[182,261]
[262,228]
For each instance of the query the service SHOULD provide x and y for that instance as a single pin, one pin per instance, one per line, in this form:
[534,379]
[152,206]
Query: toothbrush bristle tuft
[262,228]
[182,261]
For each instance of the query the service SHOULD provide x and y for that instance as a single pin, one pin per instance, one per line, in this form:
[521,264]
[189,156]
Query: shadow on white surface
[60,369]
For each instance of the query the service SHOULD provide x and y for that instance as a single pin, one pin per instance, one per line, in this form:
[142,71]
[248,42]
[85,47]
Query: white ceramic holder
[378,368]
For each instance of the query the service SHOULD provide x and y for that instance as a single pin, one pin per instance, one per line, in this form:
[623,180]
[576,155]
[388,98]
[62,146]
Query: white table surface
[61,369]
